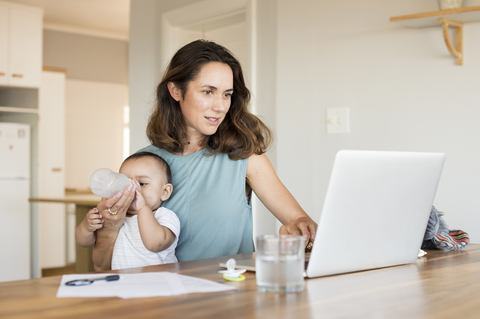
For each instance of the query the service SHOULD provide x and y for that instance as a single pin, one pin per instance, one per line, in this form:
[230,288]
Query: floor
[70,269]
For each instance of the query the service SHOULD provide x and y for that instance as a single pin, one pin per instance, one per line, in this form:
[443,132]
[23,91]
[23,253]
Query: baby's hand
[94,220]
[139,200]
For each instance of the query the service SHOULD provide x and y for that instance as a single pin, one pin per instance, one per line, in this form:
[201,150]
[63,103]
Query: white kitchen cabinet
[51,169]
[3,44]
[20,45]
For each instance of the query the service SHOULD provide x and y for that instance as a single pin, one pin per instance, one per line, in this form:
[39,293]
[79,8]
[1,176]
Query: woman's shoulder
[155,150]
[204,156]
[150,148]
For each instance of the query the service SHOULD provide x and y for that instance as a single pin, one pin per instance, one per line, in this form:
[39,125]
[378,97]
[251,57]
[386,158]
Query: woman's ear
[174,91]
[167,191]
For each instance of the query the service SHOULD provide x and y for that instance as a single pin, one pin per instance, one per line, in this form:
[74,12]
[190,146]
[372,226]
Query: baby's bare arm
[154,236]
[85,233]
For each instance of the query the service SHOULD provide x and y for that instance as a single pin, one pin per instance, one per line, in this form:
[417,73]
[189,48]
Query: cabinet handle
[2,73]
[17,75]
[56,169]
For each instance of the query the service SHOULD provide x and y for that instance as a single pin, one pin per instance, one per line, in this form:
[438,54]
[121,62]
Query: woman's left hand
[303,226]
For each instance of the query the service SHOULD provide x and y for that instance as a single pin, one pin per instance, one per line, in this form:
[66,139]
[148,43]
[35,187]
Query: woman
[216,150]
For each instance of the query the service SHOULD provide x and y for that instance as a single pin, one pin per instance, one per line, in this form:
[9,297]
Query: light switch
[337,120]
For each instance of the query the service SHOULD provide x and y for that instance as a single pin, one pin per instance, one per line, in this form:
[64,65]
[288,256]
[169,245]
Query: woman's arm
[106,236]
[275,196]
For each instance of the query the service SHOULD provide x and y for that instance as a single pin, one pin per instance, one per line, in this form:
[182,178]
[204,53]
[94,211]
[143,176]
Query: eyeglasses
[83,282]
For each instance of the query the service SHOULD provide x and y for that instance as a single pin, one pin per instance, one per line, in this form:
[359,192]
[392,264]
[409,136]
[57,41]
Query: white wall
[97,91]
[403,89]
[264,91]
[145,64]
[94,131]
[86,57]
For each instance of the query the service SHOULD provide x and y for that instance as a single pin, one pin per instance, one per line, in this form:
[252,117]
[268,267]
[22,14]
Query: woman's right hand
[114,209]
[106,236]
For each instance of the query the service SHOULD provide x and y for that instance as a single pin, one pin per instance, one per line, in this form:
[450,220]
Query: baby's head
[153,174]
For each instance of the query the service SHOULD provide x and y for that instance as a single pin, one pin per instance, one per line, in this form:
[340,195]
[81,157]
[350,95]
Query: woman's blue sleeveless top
[209,199]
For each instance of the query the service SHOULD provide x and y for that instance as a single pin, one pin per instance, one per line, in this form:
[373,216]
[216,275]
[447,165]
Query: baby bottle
[105,183]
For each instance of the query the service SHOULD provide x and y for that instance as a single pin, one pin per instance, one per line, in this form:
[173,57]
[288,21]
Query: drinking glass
[279,263]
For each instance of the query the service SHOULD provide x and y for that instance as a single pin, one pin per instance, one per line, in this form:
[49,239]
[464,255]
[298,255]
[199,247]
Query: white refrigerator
[14,205]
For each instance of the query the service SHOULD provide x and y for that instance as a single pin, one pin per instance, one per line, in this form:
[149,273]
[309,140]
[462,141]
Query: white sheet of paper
[148,284]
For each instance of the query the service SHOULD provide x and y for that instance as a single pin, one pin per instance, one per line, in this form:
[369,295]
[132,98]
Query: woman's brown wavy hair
[240,135]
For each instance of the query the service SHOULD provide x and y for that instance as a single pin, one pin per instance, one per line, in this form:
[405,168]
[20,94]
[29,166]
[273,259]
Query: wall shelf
[446,18]
[430,19]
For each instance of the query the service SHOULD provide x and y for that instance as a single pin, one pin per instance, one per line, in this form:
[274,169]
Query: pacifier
[231,273]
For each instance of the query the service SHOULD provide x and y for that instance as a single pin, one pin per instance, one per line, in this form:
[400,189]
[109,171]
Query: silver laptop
[375,212]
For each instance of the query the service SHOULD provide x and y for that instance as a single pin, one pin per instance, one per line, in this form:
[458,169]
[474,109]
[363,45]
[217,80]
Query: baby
[150,233]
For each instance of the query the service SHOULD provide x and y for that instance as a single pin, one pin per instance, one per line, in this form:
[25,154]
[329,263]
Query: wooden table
[83,203]
[443,284]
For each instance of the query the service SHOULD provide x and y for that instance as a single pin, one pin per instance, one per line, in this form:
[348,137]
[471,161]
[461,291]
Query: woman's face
[207,99]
